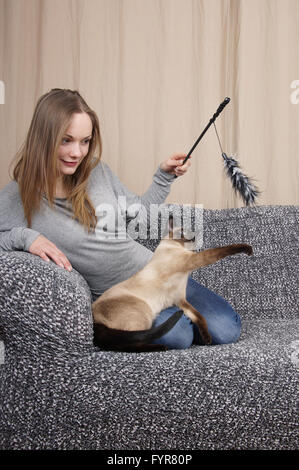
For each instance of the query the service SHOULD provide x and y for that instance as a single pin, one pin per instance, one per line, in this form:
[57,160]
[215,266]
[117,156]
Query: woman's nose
[76,150]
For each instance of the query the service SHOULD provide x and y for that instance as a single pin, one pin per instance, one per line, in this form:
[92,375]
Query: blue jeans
[224,324]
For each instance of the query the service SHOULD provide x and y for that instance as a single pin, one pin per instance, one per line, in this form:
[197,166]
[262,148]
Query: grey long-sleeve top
[103,257]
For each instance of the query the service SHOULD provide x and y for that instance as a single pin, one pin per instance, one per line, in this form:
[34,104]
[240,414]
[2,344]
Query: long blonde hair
[36,168]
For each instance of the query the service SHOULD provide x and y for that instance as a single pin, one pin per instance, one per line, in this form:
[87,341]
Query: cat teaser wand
[240,182]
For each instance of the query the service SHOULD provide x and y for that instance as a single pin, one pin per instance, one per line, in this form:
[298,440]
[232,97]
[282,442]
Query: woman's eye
[66,141]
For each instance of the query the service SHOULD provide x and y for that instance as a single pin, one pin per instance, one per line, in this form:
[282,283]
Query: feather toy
[241,183]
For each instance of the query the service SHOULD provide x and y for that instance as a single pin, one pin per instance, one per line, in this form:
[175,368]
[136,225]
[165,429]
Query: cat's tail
[119,340]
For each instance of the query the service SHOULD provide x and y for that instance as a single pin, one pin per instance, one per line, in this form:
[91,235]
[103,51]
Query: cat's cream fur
[124,314]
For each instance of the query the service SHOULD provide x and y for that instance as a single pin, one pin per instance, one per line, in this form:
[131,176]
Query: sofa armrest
[42,306]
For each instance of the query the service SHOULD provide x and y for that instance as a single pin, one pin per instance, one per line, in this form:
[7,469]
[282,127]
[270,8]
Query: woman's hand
[46,249]
[173,164]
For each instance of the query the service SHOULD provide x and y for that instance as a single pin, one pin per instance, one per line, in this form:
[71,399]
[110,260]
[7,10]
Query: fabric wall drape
[155,71]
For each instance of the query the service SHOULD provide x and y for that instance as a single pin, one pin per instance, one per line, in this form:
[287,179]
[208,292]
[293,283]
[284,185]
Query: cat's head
[175,233]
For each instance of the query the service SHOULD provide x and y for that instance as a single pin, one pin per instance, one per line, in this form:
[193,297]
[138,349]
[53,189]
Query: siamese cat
[124,314]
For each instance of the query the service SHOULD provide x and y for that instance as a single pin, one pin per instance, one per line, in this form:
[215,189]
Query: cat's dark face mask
[185,237]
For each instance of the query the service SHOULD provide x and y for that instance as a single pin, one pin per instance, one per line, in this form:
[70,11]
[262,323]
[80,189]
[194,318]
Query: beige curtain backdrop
[155,71]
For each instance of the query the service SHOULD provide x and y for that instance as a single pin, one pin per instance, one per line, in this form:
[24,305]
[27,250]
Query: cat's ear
[170,221]
[167,227]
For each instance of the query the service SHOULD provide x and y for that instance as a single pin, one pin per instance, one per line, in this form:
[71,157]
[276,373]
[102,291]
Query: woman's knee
[225,327]
[224,324]
[231,330]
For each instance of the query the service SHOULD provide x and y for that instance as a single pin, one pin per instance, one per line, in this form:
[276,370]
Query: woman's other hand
[174,164]
[46,249]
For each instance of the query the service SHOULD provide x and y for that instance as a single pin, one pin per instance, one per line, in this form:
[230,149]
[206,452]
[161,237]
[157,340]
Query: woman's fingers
[47,250]
[174,164]
[60,259]
[181,170]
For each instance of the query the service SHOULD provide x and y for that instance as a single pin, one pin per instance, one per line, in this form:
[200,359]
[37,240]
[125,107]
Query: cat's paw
[206,337]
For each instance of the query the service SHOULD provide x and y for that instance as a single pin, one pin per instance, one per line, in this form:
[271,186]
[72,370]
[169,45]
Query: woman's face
[75,143]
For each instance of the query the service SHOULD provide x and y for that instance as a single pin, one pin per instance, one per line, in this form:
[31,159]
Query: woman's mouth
[70,164]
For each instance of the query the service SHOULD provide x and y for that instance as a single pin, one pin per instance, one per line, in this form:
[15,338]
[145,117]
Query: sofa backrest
[262,286]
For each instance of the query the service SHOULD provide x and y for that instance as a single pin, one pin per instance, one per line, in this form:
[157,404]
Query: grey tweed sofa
[58,391]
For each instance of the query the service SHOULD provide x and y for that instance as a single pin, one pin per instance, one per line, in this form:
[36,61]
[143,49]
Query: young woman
[61,193]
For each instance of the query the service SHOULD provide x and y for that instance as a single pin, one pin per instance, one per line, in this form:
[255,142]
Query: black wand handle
[212,120]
